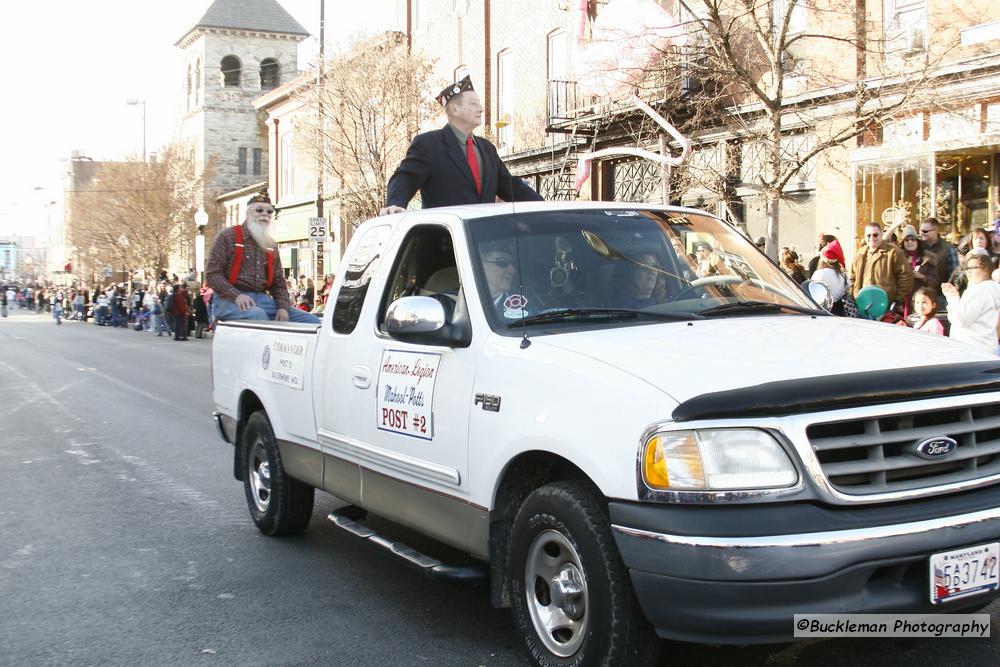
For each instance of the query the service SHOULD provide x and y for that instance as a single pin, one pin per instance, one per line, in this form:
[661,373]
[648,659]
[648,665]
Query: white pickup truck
[632,418]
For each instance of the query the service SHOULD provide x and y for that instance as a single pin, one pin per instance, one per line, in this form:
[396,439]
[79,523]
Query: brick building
[942,158]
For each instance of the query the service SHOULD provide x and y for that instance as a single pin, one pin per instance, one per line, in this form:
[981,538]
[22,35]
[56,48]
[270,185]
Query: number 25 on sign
[317,229]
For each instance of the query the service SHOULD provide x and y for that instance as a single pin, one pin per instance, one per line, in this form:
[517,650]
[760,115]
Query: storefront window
[963,192]
[955,188]
[893,193]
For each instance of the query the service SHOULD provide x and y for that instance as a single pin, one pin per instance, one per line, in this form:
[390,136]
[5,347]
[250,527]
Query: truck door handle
[361,376]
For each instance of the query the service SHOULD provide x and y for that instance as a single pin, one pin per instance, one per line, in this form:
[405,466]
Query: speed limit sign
[317,229]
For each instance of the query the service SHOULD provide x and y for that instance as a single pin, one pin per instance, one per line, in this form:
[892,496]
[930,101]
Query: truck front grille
[878,454]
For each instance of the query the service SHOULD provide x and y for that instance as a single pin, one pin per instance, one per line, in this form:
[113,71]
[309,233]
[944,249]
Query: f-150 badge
[489,402]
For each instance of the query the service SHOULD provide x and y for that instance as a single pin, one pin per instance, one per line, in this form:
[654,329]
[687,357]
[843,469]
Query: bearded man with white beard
[244,270]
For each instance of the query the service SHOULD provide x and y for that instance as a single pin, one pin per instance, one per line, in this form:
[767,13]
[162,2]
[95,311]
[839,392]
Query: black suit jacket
[436,165]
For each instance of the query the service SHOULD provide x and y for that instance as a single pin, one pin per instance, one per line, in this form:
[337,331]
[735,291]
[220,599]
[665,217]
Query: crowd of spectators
[169,305]
[932,285]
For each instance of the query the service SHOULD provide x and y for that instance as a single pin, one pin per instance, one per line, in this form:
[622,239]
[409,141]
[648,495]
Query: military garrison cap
[454,90]
[260,198]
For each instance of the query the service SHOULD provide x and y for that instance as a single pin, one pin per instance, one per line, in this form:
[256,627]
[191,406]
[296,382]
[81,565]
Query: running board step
[432,566]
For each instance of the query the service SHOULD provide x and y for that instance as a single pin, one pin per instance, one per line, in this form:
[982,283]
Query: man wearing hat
[244,271]
[451,166]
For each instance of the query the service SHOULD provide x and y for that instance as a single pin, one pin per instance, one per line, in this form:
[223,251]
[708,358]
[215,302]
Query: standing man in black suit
[450,166]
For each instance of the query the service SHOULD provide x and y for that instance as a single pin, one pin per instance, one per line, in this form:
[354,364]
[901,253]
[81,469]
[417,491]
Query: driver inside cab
[640,286]
[500,268]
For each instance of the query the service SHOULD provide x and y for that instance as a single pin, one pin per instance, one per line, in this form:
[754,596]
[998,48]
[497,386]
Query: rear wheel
[570,594]
[279,504]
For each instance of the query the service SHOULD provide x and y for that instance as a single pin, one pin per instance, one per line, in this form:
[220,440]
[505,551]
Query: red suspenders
[234,273]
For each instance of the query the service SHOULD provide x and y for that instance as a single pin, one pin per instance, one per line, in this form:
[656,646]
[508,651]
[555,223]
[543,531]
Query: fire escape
[580,119]
[564,116]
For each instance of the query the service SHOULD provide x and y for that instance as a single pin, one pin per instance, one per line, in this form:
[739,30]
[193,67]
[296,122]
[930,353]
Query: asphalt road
[125,540]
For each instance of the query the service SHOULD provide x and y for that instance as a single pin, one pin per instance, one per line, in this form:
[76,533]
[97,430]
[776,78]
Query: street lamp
[92,251]
[136,102]
[201,221]
[123,242]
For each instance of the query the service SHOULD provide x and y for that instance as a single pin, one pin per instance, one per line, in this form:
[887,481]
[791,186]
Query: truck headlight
[715,460]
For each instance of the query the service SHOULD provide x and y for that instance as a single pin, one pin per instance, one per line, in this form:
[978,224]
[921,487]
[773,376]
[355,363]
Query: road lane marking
[125,465]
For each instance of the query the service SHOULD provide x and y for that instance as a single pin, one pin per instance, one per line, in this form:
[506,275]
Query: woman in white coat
[974,314]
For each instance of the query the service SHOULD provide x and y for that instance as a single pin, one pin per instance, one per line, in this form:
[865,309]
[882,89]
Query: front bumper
[746,587]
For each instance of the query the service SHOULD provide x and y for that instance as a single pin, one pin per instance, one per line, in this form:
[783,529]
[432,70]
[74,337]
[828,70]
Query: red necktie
[470,155]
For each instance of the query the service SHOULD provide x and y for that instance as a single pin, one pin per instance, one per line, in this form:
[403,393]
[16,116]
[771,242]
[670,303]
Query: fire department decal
[283,361]
[406,393]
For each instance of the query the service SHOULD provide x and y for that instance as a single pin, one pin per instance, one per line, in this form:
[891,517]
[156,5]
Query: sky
[73,64]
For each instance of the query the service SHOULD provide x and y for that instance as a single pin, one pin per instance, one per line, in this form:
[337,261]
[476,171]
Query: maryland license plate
[962,572]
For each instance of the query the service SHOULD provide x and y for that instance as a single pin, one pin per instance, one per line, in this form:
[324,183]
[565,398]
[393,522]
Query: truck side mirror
[425,319]
[414,315]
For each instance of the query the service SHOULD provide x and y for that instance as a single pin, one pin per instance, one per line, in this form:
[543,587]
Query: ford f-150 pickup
[632,418]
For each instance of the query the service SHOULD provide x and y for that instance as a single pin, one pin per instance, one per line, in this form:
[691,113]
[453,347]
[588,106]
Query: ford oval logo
[933,449]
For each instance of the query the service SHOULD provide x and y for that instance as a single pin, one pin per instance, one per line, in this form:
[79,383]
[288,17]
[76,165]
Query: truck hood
[688,359]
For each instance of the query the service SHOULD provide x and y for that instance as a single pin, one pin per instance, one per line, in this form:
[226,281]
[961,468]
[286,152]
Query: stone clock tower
[237,51]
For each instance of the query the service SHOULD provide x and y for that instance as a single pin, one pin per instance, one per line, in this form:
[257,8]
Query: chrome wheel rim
[556,591]
[260,477]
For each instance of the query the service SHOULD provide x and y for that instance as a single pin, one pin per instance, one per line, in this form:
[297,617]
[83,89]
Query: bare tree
[776,83]
[137,214]
[373,99]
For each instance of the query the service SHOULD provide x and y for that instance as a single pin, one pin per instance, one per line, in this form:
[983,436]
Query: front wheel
[570,594]
[279,504]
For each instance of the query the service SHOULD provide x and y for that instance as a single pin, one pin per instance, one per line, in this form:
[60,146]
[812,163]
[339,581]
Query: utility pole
[136,102]
[320,273]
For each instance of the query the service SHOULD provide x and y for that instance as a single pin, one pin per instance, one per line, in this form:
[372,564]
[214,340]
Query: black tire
[279,505]
[561,533]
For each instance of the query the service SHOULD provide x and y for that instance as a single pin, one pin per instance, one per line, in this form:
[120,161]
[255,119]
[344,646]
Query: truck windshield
[587,267]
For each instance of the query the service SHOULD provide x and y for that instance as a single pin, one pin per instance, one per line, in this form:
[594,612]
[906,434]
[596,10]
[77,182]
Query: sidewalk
[24,315]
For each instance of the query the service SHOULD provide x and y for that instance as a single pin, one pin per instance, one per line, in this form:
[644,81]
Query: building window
[421,15]
[188,98]
[505,98]
[963,191]
[557,55]
[232,72]
[270,74]
[287,166]
[905,26]
[797,22]
[242,163]
[197,82]
[557,74]
[257,155]
[898,190]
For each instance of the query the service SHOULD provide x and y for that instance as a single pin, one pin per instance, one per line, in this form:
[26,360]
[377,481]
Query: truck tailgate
[274,361]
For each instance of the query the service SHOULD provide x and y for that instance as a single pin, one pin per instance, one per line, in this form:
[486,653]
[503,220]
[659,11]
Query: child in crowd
[143,321]
[925,305]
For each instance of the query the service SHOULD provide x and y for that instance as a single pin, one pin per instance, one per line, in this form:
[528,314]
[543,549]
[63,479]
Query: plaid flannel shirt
[253,270]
